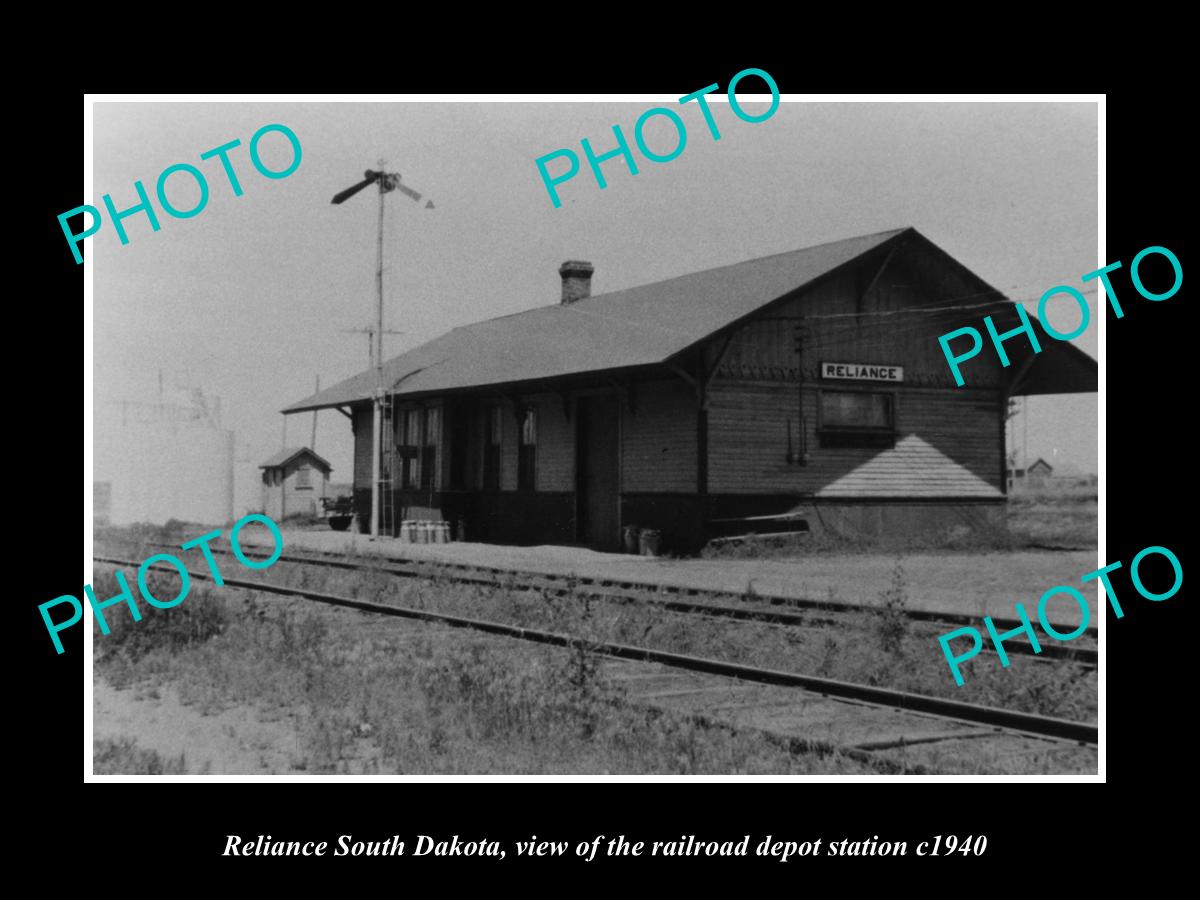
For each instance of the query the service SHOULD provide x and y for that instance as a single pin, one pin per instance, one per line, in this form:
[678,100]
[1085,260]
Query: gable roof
[286,455]
[651,324]
[634,327]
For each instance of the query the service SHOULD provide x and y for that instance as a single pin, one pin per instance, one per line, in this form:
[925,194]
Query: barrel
[629,535]
[650,540]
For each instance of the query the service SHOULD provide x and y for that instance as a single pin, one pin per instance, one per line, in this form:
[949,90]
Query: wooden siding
[948,438]
[658,440]
[946,445]
[362,445]
[872,321]
[555,445]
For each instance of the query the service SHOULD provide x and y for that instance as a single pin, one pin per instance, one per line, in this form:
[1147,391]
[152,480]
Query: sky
[253,298]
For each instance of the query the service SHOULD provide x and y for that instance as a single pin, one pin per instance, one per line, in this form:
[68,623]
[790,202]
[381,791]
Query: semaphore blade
[351,191]
[407,191]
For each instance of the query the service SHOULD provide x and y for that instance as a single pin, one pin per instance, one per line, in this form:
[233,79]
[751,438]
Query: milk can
[651,540]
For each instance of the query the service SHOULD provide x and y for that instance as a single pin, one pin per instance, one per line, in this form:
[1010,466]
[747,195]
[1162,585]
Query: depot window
[303,478]
[408,447]
[857,419]
[527,453]
[429,446]
[492,433]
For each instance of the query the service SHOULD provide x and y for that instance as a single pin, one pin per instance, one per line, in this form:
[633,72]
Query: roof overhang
[1060,368]
[549,385]
[302,452]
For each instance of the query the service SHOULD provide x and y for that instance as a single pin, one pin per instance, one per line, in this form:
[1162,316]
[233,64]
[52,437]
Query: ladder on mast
[387,465]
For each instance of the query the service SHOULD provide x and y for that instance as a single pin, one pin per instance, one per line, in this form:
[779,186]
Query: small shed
[1039,471]
[294,481]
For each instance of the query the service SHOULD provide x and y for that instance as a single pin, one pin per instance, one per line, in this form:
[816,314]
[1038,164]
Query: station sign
[861,372]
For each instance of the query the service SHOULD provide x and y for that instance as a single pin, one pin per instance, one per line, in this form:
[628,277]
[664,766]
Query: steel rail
[1009,720]
[918,615]
[1086,656]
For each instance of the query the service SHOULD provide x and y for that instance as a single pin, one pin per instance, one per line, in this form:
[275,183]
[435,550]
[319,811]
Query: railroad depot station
[801,391]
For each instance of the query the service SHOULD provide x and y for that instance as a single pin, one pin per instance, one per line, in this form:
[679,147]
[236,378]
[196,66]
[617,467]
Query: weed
[122,756]
[892,627]
[749,595]
[199,618]
[394,696]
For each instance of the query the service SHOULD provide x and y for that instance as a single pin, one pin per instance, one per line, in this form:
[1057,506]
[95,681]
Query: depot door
[597,432]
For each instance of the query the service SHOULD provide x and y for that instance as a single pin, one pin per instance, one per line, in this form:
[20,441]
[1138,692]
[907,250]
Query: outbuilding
[804,389]
[1039,471]
[293,482]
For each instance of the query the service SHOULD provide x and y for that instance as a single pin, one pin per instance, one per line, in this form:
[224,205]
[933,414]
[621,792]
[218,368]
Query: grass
[366,699]
[876,646]
[122,756]
[1054,518]
[1036,518]
[893,623]
[418,699]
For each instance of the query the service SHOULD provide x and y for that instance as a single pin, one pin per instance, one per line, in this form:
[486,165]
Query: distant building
[1034,475]
[294,481]
[156,461]
[1039,472]
[102,502]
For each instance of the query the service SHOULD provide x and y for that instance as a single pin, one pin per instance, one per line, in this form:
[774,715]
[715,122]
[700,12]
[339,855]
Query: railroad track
[650,593]
[1027,724]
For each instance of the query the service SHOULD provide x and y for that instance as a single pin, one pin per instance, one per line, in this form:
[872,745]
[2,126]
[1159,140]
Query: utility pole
[312,445]
[377,353]
[1025,419]
[1011,409]
[800,456]
[369,331]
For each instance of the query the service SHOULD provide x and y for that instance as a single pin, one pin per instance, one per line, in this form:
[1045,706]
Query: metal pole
[377,431]
[801,425]
[379,281]
[1025,419]
[377,353]
[313,443]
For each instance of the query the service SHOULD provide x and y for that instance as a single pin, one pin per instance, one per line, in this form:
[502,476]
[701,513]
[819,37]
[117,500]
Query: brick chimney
[576,280]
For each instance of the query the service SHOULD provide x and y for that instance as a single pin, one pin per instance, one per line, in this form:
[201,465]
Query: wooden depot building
[804,389]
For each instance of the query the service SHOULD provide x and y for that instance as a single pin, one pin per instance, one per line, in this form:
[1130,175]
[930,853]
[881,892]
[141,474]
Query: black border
[1148,473]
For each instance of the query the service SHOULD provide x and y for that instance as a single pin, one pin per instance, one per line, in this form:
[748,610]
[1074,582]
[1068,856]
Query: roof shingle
[286,455]
[634,327]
